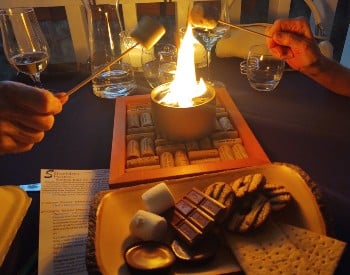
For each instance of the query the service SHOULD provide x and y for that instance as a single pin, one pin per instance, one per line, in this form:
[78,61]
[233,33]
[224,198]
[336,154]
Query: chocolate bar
[195,215]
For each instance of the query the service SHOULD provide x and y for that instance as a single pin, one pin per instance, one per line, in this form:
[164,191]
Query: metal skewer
[96,73]
[243,29]
[147,33]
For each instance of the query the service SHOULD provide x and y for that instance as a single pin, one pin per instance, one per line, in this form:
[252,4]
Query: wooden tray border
[119,177]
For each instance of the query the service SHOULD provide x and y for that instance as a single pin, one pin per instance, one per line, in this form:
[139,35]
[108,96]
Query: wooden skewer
[243,29]
[96,73]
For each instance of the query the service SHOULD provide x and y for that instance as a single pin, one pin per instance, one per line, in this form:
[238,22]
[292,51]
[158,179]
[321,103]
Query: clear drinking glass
[25,46]
[264,71]
[159,63]
[118,79]
[209,37]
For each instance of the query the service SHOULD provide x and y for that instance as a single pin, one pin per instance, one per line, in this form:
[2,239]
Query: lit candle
[134,56]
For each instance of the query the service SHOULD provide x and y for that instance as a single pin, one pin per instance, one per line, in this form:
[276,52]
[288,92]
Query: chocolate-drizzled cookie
[242,221]
[278,195]
[223,193]
[248,184]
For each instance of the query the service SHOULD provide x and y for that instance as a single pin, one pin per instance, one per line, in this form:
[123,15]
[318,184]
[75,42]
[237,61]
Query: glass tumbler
[264,71]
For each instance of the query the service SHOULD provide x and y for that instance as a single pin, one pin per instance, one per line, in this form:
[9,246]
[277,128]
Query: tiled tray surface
[140,154]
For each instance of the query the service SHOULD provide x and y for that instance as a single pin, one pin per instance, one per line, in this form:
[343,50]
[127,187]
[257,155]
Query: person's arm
[293,41]
[330,74]
[25,114]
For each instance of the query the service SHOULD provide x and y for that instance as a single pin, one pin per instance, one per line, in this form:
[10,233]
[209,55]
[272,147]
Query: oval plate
[112,211]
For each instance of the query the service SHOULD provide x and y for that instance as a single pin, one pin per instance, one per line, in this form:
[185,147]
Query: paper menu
[64,213]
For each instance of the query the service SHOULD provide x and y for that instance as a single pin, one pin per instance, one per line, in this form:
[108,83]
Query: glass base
[114,83]
[113,91]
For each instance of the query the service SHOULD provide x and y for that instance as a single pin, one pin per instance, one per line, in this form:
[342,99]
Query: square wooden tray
[121,176]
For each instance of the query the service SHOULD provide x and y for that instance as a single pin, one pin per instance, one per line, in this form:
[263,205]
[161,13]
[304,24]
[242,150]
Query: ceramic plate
[109,231]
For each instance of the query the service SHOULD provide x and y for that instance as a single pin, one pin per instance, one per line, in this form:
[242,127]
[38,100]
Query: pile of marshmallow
[149,224]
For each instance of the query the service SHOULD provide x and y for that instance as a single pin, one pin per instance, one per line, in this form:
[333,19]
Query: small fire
[185,87]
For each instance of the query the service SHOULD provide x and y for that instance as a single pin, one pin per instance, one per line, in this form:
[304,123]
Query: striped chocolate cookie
[247,184]
[243,222]
[223,193]
[278,195]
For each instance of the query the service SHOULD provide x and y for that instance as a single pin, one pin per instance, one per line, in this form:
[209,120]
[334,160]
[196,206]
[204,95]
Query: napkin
[14,203]
[238,42]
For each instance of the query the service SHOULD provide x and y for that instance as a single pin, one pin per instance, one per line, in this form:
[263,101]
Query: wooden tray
[121,176]
[108,232]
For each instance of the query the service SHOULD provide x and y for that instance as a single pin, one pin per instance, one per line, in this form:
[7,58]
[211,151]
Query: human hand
[293,41]
[26,113]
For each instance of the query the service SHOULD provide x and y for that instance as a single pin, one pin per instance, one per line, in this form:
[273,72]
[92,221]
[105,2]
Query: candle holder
[183,123]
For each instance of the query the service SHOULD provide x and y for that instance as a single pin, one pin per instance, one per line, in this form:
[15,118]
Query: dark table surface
[300,123]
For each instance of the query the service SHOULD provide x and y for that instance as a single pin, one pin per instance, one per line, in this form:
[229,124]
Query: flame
[185,87]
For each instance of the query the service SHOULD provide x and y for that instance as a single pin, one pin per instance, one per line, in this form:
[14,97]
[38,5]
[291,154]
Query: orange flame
[185,87]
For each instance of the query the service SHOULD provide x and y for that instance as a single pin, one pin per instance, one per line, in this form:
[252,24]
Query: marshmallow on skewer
[148,32]
[158,199]
[148,226]
[207,17]
[204,16]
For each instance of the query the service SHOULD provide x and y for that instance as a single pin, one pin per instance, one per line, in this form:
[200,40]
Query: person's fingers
[297,25]
[63,97]
[298,45]
[52,104]
[30,98]
[20,134]
[282,52]
[286,45]
[29,120]
[287,39]
[11,146]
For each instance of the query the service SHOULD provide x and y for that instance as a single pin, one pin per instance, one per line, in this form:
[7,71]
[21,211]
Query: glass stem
[208,62]
[36,80]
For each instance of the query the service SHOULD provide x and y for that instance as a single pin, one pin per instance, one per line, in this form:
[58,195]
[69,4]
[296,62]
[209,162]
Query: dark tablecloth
[300,123]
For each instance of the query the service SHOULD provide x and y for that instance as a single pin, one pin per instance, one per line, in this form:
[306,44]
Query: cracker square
[323,253]
[285,249]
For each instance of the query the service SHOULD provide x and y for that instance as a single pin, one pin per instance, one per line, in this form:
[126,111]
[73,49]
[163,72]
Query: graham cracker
[285,249]
[322,252]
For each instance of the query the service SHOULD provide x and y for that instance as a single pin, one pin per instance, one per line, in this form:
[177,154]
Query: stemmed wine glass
[24,44]
[208,37]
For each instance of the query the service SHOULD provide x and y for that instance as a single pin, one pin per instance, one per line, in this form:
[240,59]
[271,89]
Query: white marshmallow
[148,226]
[158,198]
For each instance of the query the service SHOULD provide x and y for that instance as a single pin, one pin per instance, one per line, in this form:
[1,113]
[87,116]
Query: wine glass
[24,44]
[207,35]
